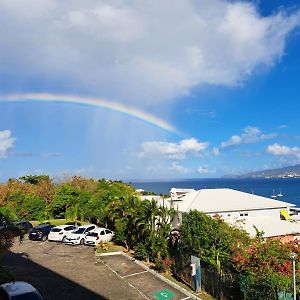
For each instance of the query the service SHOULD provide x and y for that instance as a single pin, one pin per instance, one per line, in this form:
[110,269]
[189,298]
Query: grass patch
[56,222]
[109,247]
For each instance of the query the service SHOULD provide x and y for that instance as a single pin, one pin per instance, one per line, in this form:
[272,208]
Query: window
[70,228]
[90,228]
[93,234]
[244,214]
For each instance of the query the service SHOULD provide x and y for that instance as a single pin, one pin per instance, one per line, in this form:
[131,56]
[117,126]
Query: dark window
[79,231]
[70,228]
[94,234]
[107,231]
[56,229]
[102,232]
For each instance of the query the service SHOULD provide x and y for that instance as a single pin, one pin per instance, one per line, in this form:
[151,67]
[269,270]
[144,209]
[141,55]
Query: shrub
[140,252]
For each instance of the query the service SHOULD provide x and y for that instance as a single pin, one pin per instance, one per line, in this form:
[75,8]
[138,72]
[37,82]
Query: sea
[289,188]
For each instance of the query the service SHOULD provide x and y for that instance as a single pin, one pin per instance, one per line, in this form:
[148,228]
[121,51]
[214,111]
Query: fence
[226,286]
[222,287]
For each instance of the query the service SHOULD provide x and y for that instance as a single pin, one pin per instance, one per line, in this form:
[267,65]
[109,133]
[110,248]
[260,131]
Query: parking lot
[73,272]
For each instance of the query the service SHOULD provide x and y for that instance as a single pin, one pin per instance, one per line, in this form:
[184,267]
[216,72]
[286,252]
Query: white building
[227,204]
[178,193]
[269,227]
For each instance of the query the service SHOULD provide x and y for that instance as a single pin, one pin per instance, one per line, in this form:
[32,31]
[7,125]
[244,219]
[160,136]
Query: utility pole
[294,257]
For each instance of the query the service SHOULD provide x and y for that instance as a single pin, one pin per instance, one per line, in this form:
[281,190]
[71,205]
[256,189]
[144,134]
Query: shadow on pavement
[50,284]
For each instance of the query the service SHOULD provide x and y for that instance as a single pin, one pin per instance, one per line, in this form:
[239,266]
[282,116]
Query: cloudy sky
[162,89]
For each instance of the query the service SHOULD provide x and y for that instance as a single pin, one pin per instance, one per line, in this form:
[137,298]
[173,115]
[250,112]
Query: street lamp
[294,257]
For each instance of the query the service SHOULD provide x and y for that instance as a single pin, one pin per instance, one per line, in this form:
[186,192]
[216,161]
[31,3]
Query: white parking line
[138,273]
[185,298]
[143,295]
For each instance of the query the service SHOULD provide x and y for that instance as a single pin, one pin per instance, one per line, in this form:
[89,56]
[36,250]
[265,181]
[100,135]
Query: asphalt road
[62,272]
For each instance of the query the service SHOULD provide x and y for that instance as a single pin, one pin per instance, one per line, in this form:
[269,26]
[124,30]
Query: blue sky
[225,74]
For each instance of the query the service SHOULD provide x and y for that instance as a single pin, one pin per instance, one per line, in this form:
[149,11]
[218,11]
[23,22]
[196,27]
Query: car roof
[63,226]
[17,287]
[99,229]
[86,225]
[43,225]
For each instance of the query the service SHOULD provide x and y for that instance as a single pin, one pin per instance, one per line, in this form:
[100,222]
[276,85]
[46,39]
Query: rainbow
[96,102]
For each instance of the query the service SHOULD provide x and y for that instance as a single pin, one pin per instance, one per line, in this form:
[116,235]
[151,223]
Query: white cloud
[250,135]
[173,150]
[283,126]
[6,142]
[281,150]
[138,51]
[215,151]
[203,170]
[178,168]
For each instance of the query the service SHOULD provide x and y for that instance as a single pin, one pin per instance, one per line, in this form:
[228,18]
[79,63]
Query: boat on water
[273,195]
[279,195]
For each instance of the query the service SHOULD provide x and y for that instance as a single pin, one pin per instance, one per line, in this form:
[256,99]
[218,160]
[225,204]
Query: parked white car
[59,233]
[97,236]
[76,237]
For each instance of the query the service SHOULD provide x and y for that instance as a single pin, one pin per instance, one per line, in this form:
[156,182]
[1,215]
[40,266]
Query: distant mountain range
[285,172]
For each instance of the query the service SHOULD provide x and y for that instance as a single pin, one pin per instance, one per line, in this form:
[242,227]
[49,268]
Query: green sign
[164,295]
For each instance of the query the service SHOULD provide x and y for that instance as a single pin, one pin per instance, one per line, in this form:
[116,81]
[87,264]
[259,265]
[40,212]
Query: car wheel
[81,242]
[44,238]
[64,239]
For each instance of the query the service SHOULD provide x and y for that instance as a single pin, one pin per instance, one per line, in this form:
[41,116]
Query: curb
[162,278]
[108,253]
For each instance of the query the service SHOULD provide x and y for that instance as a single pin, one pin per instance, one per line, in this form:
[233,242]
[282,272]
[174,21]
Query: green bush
[140,252]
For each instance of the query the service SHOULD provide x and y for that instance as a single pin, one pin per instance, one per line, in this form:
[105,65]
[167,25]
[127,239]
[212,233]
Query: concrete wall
[275,213]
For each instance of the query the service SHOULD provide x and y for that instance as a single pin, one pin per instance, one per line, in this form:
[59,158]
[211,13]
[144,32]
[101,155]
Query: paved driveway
[63,272]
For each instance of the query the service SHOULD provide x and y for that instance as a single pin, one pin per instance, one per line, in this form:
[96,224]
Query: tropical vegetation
[260,268]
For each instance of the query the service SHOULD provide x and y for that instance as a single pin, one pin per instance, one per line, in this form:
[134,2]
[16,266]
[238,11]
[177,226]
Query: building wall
[275,213]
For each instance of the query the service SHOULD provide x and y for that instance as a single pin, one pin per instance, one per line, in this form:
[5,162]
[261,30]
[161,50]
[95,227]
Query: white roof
[179,190]
[270,226]
[225,200]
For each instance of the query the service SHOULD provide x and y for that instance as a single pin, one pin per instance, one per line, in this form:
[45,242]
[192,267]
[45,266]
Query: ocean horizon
[289,188]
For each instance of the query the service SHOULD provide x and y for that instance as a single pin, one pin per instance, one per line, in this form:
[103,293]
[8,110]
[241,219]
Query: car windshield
[79,231]
[94,234]
[56,229]
[70,228]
